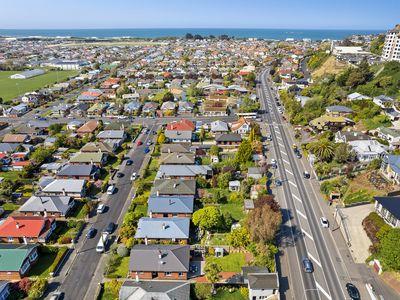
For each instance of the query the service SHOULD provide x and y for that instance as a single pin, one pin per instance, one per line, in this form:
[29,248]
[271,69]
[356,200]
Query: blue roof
[163,228]
[171,204]
[393,161]
[392,204]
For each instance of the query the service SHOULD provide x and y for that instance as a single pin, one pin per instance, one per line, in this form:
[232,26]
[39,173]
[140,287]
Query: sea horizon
[261,33]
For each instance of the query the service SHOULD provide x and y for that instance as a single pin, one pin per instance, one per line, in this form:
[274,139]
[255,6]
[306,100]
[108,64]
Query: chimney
[150,214]
[91,161]
[175,185]
[145,240]
[17,225]
[137,278]
[45,213]
[158,193]
[159,254]
[164,226]
[25,240]
[63,191]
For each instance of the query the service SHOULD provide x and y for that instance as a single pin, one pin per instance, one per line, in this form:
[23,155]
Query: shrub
[122,251]
[202,291]
[372,224]
[244,291]
[60,254]
[64,240]
[37,289]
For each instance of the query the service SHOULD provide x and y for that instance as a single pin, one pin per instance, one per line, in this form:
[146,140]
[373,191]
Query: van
[101,208]
[101,245]
[111,190]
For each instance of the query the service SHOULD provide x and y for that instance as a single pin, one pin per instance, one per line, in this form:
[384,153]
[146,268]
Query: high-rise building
[391,49]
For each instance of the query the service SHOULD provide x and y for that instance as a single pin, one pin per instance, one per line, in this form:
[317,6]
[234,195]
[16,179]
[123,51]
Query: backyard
[12,88]
[229,263]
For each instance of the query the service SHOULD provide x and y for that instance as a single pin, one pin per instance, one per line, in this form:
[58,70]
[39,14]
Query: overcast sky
[294,14]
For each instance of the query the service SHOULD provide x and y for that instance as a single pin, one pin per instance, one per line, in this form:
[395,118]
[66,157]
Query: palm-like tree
[323,149]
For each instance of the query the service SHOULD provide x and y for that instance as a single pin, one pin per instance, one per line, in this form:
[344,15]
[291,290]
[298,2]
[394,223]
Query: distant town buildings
[391,49]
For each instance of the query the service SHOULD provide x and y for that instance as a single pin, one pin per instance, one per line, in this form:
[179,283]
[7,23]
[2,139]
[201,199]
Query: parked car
[278,182]
[101,208]
[307,265]
[146,150]
[298,155]
[324,222]
[111,189]
[149,143]
[110,228]
[139,143]
[129,162]
[57,296]
[120,174]
[133,176]
[306,175]
[352,291]
[91,233]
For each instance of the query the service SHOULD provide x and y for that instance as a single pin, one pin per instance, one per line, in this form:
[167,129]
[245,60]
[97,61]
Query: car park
[91,233]
[110,228]
[101,208]
[324,222]
[307,265]
[352,291]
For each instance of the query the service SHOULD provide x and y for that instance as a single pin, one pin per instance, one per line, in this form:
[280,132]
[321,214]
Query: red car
[139,143]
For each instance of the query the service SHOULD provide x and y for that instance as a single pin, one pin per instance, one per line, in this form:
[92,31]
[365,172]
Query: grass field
[12,88]
[229,263]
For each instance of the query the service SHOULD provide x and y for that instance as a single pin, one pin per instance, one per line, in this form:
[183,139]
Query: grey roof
[174,187]
[174,258]
[219,126]
[176,158]
[160,290]
[339,109]
[111,134]
[183,171]
[50,204]
[69,185]
[178,135]
[384,98]
[170,204]
[267,281]
[8,147]
[233,137]
[163,228]
[255,171]
[177,148]
[31,73]
[390,131]
[248,204]
[77,170]
[392,204]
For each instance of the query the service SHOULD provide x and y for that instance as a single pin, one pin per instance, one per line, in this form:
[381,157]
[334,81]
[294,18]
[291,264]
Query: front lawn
[49,259]
[120,268]
[223,294]
[229,263]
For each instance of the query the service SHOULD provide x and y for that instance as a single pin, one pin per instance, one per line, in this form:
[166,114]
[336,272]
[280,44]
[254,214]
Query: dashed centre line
[285,161]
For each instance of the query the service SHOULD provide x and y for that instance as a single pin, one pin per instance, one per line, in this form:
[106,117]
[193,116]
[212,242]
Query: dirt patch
[371,181]
[331,66]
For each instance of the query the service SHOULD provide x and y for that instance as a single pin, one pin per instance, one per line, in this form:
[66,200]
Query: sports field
[12,88]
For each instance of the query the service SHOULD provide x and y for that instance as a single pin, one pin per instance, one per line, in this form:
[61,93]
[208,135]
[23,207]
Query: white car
[101,208]
[273,161]
[324,222]
[111,189]
[133,176]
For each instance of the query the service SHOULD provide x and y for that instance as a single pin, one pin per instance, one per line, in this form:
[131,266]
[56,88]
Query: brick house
[170,206]
[54,206]
[17,260]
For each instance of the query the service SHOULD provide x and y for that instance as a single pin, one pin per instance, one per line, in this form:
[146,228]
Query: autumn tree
[263,223]
[161,138]
[267,200]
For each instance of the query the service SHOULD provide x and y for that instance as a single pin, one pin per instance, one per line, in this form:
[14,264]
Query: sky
[293,14]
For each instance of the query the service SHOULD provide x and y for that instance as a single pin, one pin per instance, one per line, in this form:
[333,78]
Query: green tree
[214,150]
[40,155]
[245,152]
[389,250]
[202,134]
[239,237]
[223,180]
[37,289]
[212,270]
[207,218]
[323,149]
[168,96]
[55,128]
[342,153]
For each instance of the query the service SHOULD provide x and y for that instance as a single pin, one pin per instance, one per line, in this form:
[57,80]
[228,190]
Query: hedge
[60,255]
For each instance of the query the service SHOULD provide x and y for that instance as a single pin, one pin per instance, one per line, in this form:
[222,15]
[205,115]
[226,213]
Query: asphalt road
[79,279]
[302,234]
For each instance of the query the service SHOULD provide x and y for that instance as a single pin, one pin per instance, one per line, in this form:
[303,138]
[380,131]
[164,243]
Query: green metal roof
[12,256]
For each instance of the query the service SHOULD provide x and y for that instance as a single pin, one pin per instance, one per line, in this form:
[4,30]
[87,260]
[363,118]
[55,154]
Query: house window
[180,274]
[25,267]
[10,239]
[33,256]
[168,274]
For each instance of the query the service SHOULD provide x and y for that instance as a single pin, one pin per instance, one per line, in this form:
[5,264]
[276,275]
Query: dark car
[154,132]
[129,162]
[146,150]
[306,175]
[353,291]
[278,182]
[120,175]
[307,265]
[110,228]
[298,155]
[91,233]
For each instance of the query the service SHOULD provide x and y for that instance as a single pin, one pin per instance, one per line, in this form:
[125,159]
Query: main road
[302,234]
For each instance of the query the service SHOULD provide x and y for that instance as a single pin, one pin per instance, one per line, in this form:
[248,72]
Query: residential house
[79,110]
[390,168]
[74,125]
[61,110]
[163,229]
[330,122]
[16,111]
[168,106]
[170,206]
[390,134]
[261,283]
[185,107]
[17,260]
[255,173]
[97,159]
[4,289]
[219,127]
[182,125]
[389,209]
[55,206]
[87,128]
[184,172]
[234,186]
[177,159]
[132,107]
[161,262]
[368,150]
[8,148]
[97,109]
[150,107]
[66,187]
[241,126]
[106,148]
[228,140]
[383,101]
[166,290]
[26,229]
[174,148]
[175,136]
[172,187]
[339,110]
[349,136]
[357,96]
[215,105]
[78,171]
[16,138]
[112,136]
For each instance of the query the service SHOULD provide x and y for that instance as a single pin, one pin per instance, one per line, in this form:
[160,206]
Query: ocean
[273,34]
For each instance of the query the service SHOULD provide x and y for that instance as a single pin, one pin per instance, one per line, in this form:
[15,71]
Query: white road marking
[278,137]
[283,152]
[278,132]
[288,171]
[292,183]
[323,291]
[285,161]
[297,198]
[301,214]
[314,259]
[280,145]
[307,234]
